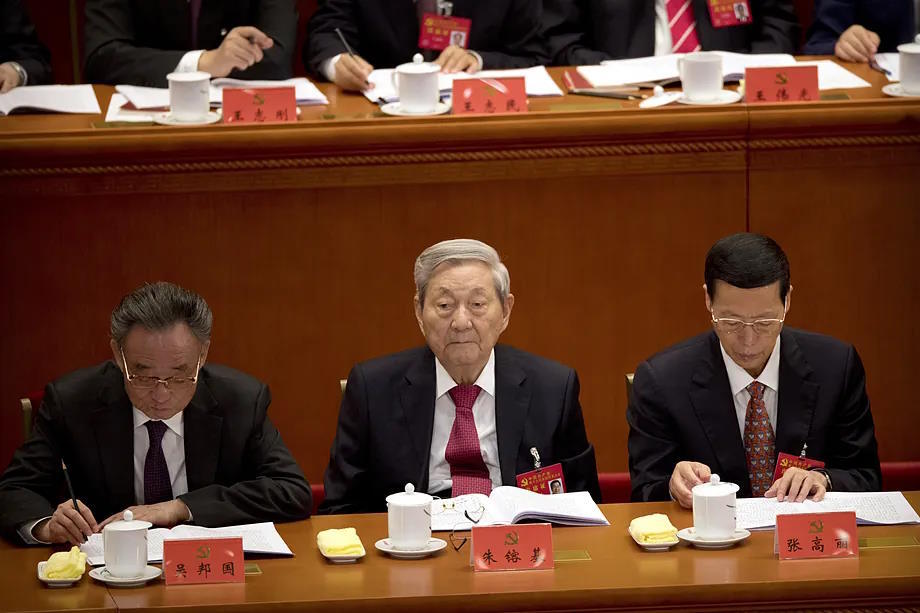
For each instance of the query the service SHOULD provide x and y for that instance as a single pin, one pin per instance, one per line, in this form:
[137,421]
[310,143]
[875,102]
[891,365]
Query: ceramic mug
[409,519]
[700,76]
[909,57]
[189,95]
[417,86]
[124,544]
[714,509]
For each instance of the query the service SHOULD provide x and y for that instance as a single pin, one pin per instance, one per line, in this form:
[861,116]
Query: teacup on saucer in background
[700,75]
[189,96]
[909,57]
[409,519]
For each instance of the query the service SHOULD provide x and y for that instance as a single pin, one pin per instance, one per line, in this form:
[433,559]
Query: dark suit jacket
[19,43]
[591,31]
[139,42]
[385,425]
[681,408]
[506,33]
[893,20]
[237,466]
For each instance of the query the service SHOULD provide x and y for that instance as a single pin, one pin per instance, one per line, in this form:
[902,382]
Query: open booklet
[305,92]
[257,538]
[537,82]
[870,507]
[53,98]
[511,505]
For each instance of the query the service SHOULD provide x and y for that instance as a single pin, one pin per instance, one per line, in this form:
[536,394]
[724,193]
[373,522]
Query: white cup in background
[409,519]
[714,509]
[124,545]
[909,56]
[700,76]
[417,86]
[189,95]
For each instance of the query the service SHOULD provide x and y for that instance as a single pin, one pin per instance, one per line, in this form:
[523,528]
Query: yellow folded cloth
[655,528]
[340,542]
[66,564]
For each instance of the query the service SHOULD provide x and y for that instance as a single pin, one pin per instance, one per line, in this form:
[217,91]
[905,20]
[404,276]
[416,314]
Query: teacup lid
[715,487]
[410,498]
[418,66]
[128,523]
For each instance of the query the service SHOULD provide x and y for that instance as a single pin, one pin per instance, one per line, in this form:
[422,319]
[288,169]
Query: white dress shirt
[173,449]
[444,413]
[739,379]
[662,29]
[189,61]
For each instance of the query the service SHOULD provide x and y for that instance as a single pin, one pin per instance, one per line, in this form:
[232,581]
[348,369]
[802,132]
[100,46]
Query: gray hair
[457,251]
[157,306]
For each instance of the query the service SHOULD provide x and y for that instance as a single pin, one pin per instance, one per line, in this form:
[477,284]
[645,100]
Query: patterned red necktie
[759,445]
[683,27]
[156,475]
[467,470]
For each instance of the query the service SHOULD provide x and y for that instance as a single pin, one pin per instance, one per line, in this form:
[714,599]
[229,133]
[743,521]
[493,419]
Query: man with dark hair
[155,430]
[730,400]
[24,60]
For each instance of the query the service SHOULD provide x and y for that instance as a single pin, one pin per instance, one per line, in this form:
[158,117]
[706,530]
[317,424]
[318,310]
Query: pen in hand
[73,498]
[348,48]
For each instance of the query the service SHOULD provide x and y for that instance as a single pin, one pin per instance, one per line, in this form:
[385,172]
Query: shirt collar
[739,379]
[486,379]
[174,423]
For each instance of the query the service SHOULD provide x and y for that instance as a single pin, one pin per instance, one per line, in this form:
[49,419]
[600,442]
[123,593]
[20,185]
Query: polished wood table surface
[613,574]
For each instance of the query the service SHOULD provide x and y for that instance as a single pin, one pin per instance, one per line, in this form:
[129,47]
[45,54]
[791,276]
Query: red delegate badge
[548,480]
[439,31]
[785,461]
[726,13]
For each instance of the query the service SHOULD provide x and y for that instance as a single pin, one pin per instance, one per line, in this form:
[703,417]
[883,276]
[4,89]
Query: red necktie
[683,27]
[759,445]
[467,470]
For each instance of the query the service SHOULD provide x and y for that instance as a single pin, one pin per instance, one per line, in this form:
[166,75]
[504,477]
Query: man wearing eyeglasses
[731,400]
[155,430]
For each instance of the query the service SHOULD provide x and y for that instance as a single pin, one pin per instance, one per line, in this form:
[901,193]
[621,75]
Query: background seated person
[855,30]
[23,59]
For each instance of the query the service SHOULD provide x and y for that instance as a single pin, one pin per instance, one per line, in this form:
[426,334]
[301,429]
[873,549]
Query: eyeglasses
[465,512]
[457,541]
[760,326]
[147,382]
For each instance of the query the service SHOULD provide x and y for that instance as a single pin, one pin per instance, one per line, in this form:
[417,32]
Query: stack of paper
[870,507]
[537,82]
[55,98]
[147,98]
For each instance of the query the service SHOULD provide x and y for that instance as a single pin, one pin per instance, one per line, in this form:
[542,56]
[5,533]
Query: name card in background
[514,547]
[188,561]
[489,96]
[785,461]
[816,535]
[259,105]
[439,31]
[781,84]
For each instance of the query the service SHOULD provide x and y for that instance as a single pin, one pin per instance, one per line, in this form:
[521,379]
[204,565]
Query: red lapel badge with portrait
[727,13]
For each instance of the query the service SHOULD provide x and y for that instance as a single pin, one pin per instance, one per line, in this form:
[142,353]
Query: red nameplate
[816,535]
[489,96]
[439,31]
[259,105]
[515,547]
[218,560]
[724,13]
[547,480]
[785,461]
[781,84]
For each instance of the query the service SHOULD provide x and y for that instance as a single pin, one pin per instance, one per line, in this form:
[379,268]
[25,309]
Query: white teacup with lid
[417,85]
[124,544]
[714,509]
[409,519]
[189,95]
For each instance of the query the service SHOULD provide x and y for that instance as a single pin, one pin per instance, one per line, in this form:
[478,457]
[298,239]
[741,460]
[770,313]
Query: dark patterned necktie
[156,475]
[467,470]
[194,10]
[759,445]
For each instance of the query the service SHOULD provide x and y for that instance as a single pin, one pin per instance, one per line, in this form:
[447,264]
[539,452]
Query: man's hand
[240,49]
[166,514]
[685,476]
[9,78]
[857,44]
[351,73]
[797,484]
[457,59]
[66,525]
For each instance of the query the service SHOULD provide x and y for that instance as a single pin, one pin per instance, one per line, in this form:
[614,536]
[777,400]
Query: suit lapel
[201,438]
[797,397]
[113,425]
[416,404]
[512,403]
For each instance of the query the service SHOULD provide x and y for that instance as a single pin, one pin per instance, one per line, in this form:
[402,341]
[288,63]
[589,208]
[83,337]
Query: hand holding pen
[72,521]
[241,48]
[351,71]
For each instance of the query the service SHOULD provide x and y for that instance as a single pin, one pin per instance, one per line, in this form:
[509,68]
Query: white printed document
[54,98]
[305,92]
[870,507]
[537,82]
[257,538]
[890,62]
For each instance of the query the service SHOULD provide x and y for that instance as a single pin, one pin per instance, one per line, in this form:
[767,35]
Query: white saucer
[434,545]
[343,559]
[101,574]
[166,119]
[895,89]
[687,534]
[653,546]
[726,96]
[392,108]
[54,582]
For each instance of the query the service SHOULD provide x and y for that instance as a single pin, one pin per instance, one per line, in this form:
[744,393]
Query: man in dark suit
[855,30]
[24,60]
[140,42]
[155,430]
[385,33]
[730,400]
[463,414]
[590,31]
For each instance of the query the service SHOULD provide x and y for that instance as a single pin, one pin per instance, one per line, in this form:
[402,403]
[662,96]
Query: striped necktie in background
[683,27]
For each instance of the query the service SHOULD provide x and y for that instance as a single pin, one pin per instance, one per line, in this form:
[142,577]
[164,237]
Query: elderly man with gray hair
[462,414]
[155,430]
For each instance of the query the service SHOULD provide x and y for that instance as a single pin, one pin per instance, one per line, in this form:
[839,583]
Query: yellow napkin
[340,542]
[655,528]
[66,564]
